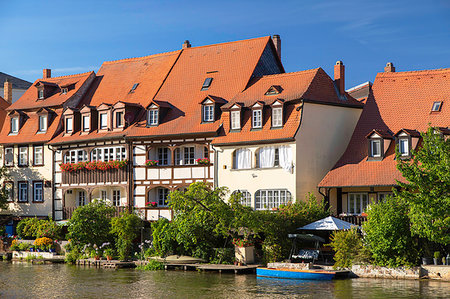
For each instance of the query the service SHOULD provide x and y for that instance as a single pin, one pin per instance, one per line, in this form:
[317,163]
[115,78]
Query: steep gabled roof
[401,100]
[16,82]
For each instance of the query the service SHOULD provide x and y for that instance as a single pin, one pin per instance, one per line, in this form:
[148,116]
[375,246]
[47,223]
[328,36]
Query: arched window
[75,156]
[246,197]
[271,198]
[242,159]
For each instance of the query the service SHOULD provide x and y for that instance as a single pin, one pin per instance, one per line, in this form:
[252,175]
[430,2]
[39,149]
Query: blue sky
[77,36]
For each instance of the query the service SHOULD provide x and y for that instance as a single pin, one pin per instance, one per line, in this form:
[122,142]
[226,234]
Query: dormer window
[119,116]
[277,116]
[41,94]
[43,121]
[207,83]
[153,117]
[208,113]
[403,146]
[436,106]
[273,90]
[69,124]
[14,125]
[235,119]
[103,121]
[64,90]
[375,148]
[86,123]
[257,118]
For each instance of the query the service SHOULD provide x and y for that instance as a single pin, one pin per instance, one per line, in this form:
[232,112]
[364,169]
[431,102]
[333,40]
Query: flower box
[93,165]
[151,162]
[244,255]
[203,161]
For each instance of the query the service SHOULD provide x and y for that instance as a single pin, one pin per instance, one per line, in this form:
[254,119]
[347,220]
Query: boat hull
[295,274]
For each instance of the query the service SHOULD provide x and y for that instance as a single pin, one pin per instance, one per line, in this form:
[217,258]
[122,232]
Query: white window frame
[103,119]
[38,155]
[38,193]
[43,123]
[403,146]
[116,197]
[9,187]
[257,118]
[277,117]
[81,198]
[41,94]
[162,197]
[357,203]
[23,155]
[103,195]
[153,117]
[246,197]
[109,153]
[267,199]
[119,119]
[22,195]
[86,122]
[64,90]
[75,156]
[436,106]
[14,125]
[373,142]
[189,155]
[208,113]
[9,151]
[163,156]
[69,124]
[235,119]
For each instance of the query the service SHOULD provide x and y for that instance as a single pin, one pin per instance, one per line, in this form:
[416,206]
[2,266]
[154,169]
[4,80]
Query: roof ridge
[290,73]
[419,72]
[230,42]
[140,57]
[66,76]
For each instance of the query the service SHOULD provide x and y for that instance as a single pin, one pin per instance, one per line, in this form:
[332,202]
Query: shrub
[24,246]
[36,228]
[14,245]
[72,256]
[272,252]
[347,245]
[388,235]
[125,229]
[152,265]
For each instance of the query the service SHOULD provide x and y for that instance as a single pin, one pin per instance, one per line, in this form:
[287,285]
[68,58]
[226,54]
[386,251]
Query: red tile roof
[311,85]
[401,100]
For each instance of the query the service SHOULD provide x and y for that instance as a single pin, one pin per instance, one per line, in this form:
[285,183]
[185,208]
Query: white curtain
[243,158]
[266,157]
[285,153]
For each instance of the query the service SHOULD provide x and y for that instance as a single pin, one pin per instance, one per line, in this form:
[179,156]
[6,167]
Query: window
[23,156]
[403,146]
[382,196]
[257,118]
[75,156]
[207,83]
[267,157]
[245,197]
[9,156]
[23,191]
[103,120]
[277,117]
[14,125]
[42,123]
[9,187]
[436,107]
[189,157]
[40,94]
[86,123]
[109,153]
[242,159]
[375,148]
[103,195]
[205,152]
[152,119]
[178,160]
[163,156]
[64,90]
[357,203]
[135,85]
[208,113]
[81,198]
[38,157]
[235,120]
[271,198]
[38,191]
[69,124]
[163,197]
[116,198]
[119,119]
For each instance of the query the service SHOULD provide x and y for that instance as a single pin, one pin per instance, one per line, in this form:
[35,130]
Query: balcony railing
[96,176]
[68,211]
[354,219]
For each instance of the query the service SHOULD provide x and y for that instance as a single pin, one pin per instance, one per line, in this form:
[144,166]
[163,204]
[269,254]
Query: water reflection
[63,281]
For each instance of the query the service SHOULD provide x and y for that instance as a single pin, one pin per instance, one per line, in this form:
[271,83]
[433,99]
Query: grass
[151,266]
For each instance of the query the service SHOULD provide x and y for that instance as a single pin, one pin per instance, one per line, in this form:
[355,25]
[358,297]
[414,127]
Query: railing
[68,211]
[154,214]
[354,219]
[84,176]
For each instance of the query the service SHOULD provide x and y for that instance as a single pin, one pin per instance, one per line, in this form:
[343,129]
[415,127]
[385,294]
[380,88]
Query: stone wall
[372,271]
[436,272]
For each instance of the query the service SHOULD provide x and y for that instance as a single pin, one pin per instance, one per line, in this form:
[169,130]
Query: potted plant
[437,258]
[151,204]
[109,253]
[244,251]
[14,245]
[151,162]
[203,161]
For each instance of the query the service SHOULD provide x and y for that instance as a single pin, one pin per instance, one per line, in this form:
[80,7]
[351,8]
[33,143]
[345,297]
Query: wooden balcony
[354,219]
[68,211]
[96,176]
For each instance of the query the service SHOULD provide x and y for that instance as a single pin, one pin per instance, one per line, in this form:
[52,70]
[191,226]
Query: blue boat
[295,274]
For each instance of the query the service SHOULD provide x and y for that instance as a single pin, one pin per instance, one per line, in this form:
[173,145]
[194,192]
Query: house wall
[30,174]
[372,193]
[255,178]
[322,138]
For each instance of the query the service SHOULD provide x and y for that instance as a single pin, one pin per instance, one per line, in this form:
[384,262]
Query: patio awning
[328,223]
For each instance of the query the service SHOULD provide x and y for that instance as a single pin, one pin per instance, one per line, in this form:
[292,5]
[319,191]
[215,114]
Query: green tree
[388,235]
[91,224]
[125,229]
[427,190]
[347,245]
[4,194]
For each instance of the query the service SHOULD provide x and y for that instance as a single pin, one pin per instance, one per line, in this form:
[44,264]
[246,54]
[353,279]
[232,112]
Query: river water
[21,280]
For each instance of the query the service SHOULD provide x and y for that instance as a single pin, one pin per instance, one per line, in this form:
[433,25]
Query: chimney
[389,68]
[277,42]
[47,73]
[186,44]
[339,76]
[7,91]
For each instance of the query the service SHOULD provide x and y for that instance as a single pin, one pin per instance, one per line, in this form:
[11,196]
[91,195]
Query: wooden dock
[213,267]
[113,264]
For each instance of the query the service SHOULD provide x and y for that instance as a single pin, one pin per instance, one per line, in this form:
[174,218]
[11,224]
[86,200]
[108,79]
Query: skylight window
[134,87]
[207,83]
[436,107]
